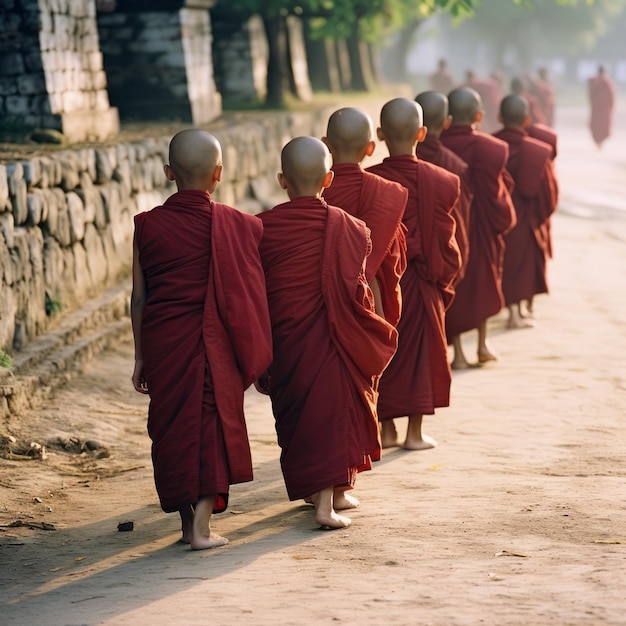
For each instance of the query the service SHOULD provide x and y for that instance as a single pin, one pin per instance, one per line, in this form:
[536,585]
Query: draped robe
[433,151]
[534,196]
[330,347]
[602,97]
[479,294]
[418,378]
[205,337]
[380,204]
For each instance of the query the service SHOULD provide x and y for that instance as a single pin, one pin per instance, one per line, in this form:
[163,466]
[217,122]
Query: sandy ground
[517,517]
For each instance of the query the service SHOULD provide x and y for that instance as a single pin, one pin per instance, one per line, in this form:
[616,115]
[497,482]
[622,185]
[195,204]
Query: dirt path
[517,517]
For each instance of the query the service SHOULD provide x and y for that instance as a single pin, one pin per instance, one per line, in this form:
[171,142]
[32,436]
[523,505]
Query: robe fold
[206,336]
[479,294]
[418,378]
[534,196]
[602,95]
[330,348]
[433,151]
[380,204]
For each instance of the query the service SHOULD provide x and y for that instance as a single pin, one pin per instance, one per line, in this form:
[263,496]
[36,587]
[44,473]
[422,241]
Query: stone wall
[66,219]
[51,73]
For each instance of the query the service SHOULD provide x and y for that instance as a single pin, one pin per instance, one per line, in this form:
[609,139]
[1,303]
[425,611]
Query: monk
[202,336]
[519,87]
[479,294]
[542,89]
[490,95]
[442,80]
[330,347]
[535,196]
[602,95]
[378,202]
[418,378]
[437,119]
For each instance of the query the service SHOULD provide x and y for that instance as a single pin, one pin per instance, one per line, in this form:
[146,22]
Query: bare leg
[202,537]
[529,308]
[388,434]
[415,439]
[484,353]
[516,320]
[459,362]
[342,500]
[325,514]
[186,518]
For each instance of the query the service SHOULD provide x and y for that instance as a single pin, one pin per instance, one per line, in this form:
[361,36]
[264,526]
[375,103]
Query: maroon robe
[544,92]
[479,294]
[490,94]
[330,348]
[380,204]
[433,151]
[418,378]
[205,336]
[601,92]
[535,196]
[441,81]
[535,111]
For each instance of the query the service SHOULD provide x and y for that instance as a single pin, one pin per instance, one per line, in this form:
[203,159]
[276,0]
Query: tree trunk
[394,59]
[323,64]
[360,66]
[277,65]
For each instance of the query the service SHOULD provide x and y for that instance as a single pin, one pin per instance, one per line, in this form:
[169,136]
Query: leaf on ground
[511,553]
[612,541]
[301,557]
[432,468]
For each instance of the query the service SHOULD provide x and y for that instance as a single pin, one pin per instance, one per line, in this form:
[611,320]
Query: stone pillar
[51,72]
[158,60]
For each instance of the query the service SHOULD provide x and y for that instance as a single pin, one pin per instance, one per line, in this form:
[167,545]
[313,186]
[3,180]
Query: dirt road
[517,517]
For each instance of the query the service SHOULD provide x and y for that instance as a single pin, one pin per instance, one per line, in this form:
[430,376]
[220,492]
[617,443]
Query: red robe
[433,151]
[534,197]
[479,294]
[537,116]
[602,100]
[418,378]
[442,81]
[330,347]
[206,336]
[380,204]
[544,93]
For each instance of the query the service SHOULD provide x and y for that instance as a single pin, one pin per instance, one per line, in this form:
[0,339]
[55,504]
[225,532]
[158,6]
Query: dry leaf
[612,541]
[509,553]
[301,557]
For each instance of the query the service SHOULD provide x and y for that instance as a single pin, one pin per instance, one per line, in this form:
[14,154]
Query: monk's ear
[380,134]
[328,179]
[371,146]
[217,173]
[526,122]
[500,119]
[447,123]
[169,174]
[421,134]
[282,181]
[478,118]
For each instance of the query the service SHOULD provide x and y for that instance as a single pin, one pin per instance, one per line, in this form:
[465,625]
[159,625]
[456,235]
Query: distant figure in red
[380,203]
[535,197]
[330,347]
[490,95]
[479,294]
[436,119]
[442,80]
[202,336]
[542,89]
[418,378]
[519,87]
[602,96]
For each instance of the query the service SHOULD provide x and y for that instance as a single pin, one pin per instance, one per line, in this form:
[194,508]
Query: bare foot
[334,521]
[204,543]
[186,518]
[520,322]
[325,514]
[388,434]
[423,443]
[343,500]
[485,356]
[461,364]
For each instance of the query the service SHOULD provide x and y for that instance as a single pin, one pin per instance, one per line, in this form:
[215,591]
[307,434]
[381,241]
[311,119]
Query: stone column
[158,60]
[51,72]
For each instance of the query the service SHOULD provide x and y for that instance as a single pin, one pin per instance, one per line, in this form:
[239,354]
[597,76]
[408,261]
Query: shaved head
[517,85]
[349,130]
[435,109]
[305,161]
[400,119]
[194,154]
[514,110]
[465,104]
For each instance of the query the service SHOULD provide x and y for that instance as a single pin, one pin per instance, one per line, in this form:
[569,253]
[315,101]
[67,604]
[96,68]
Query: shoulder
[228,216]
[537,149]
[438,173]
[494,151]
[374,176]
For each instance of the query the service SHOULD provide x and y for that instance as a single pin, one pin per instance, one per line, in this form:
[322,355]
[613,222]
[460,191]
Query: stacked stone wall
[66,219]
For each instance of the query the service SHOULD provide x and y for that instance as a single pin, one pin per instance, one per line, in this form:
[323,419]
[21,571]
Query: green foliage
[6,360]
[53,305]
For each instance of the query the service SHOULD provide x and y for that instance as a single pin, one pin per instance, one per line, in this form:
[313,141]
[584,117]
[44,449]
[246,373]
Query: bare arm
[378,299]
[137,305]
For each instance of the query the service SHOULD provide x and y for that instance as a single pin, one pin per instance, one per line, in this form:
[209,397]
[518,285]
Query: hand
[262,384]
[139,382]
